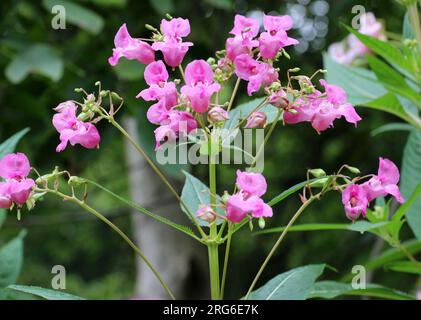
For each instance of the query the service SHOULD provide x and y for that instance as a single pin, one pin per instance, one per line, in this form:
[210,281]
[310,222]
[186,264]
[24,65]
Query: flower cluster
[322,109]
[347,51]
[248,200]
[73,128]
[356,197]
[16,187]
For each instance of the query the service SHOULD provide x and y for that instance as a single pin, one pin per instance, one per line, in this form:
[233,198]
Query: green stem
[277,243]
[157,171]
[119,232]
[213,233]
[227,253]
[234,93]
[272,127]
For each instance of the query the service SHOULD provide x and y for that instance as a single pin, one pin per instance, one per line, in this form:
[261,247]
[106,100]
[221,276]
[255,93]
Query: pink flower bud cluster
[347,51]
[16,187]
[72,130]
[322,109]
[357,197]
[248,199]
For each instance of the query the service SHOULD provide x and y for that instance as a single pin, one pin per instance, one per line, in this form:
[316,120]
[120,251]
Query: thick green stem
[227,253]
[277,243]
[119,232]
[213,233]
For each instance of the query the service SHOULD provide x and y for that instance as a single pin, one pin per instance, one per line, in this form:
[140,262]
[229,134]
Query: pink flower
[237,46]
[256,120]
[245,27]
[279,99]
[275,36]
[338,53]
[156,73]
[199,86]
[251,183]
[130,48]
[176,27]
[257,73]
[260,208]
[157,112]
[354,199]
[238,208]
[14,166]
[322,111]
[164,133]
[385,182]
[172,47]
[73,130]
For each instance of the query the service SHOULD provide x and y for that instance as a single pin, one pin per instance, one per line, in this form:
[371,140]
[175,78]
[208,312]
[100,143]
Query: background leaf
[47,294]
[11,257]
[294,284]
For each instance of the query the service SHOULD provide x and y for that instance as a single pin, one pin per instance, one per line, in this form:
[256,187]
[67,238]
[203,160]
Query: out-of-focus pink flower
[16,188]
[245,27]
[354,199]
[130,48]
[386,182]
[14,166]
[206,213]
[199,86]
[322,111]
[73,130]
[218,114]
[173,48]
[338,53]
[164,133]
[251,183]
[256,73]
[275,36]
[256,120]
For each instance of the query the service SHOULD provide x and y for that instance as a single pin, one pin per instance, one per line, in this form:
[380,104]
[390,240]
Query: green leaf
[292,190]
[140,209]
[9,145]
[11,257]
[294,284]
[384,49]
[410,179]
[78,15]
[220,4]
[404,266]
[162,6]
[39,59]
[3,216]
[47,294]
[407,32]
[333,289]
[392,80]
[359,226]
[390,103]
[360,84]
[397,126]
[194,194]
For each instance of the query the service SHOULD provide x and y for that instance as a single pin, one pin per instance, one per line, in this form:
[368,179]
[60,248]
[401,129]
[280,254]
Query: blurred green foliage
[41,66]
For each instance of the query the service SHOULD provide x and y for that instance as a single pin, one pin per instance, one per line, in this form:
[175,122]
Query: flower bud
[225,197]
[76,181]
[217,114]
[206,213]
[353,169]
[318,173]
[262,223]
[256,120]
[279,99]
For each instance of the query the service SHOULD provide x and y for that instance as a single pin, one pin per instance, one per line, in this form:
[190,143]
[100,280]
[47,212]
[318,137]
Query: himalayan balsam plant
[186,101]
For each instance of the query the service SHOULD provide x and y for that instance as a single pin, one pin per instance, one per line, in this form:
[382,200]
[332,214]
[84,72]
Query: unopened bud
[206,213]
[294,69]
[217,114]
[149,27]
[262,223]
[256,120]
[318,173]
[75,181]
[168,16]
[225,197]
[279,99]
[353,169]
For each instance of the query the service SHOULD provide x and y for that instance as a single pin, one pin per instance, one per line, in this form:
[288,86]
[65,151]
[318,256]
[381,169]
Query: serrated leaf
[78,15]
[47,294]
[11,257]
[294,284]
[333,289]
[410,179]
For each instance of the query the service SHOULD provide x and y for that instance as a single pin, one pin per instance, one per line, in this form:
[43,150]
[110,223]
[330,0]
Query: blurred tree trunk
[180,260]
